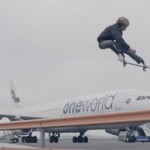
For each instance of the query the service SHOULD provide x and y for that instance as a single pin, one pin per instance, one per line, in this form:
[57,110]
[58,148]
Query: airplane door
[119,101]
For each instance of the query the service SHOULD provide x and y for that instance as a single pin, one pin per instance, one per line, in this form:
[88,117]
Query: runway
[95,144]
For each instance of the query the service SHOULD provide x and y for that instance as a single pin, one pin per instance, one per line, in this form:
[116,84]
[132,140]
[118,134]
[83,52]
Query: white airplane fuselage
[114,101]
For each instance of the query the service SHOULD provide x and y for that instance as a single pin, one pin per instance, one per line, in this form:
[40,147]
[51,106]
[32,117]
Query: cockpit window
[143,97]
[139,98]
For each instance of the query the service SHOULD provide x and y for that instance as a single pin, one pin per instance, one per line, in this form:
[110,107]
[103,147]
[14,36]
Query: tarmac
[94,144]
[8,146]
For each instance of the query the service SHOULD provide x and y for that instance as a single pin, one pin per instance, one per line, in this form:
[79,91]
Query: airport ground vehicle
[129,137]
[11,138]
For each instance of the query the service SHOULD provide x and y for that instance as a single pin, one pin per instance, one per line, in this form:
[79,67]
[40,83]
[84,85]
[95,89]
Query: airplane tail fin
[16,100]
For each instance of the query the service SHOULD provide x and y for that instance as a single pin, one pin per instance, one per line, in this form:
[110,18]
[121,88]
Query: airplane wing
[14,117]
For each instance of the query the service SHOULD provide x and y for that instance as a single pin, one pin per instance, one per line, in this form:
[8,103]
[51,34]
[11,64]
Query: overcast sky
[49,48]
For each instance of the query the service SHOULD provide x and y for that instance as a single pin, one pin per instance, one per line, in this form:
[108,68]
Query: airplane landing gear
[29,139]
[54,137]
[80,139]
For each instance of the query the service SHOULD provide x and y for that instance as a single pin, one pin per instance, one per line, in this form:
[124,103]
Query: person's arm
[118,37]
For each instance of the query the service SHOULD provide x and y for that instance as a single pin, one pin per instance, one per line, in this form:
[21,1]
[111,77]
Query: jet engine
[22,132]
[113,131]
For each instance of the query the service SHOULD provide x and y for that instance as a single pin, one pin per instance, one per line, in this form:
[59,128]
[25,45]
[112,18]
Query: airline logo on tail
[12,92]
[16,99]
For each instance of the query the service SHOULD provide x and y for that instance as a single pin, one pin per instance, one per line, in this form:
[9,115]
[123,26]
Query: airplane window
[143,97]
[148,97]
[139,98]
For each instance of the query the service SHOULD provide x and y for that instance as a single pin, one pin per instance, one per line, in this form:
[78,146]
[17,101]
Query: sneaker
[124,63]
[144,66]
[121,58]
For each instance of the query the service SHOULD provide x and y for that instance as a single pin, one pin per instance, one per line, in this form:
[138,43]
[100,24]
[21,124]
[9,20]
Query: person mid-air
[111,37]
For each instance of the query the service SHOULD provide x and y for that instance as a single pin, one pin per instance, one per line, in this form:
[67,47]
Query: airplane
[113,101]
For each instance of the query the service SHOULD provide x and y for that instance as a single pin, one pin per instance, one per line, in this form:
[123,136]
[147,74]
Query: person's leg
[131,53]
[138,59]
[135,57]
[110,44]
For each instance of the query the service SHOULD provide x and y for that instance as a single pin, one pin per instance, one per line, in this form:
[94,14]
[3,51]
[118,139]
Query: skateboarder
[112,38]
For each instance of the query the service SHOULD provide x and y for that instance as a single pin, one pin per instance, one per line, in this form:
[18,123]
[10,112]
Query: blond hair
[123,21]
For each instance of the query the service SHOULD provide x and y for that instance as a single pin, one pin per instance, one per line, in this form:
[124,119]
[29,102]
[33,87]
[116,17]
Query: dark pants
[117,49]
